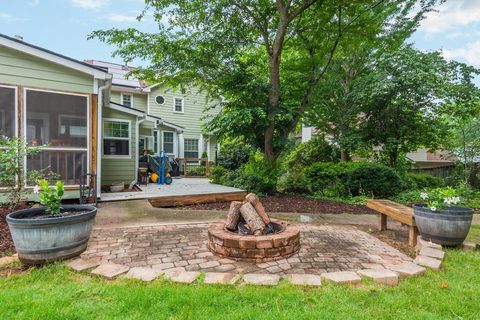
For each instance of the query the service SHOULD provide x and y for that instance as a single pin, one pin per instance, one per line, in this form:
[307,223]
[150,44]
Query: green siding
[139,100]
[194,105]
[118,170]
[18,68]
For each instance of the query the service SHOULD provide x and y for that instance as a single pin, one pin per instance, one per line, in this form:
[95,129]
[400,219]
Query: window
[190,148]
[116,138]
[178,105]
[155,141]
[7,111]
[127,100]
[159,99]
[58,124]
[168,142]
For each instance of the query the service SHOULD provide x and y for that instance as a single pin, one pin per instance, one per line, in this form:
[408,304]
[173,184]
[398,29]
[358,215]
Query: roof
[28,48]
[140,113]
[119,73]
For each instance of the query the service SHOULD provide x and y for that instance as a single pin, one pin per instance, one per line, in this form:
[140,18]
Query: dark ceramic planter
[447,227]
[39,241]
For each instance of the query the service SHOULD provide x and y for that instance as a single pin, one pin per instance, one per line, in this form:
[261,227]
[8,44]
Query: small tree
[12,169]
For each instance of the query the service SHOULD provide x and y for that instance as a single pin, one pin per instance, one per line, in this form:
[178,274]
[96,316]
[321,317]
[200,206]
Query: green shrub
[373,179]
[196,171]
[234,154]
[323,175]
[308,153]
[422,180]
[257,175]
[294,183]
[217,174]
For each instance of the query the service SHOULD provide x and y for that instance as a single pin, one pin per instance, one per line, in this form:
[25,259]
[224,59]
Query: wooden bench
[397,212]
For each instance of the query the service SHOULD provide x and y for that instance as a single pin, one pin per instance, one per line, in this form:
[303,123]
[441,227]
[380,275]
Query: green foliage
[294,182]
[204,156]
[217,174]
[238,52]
[50,197]
[373,179]
[422,181]
[314,150]
[196,171]
[234,154]
[441,198]
[258,175]
[12,177]
[323,175]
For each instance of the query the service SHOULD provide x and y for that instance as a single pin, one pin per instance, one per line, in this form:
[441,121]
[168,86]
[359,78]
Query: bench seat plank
[394,210]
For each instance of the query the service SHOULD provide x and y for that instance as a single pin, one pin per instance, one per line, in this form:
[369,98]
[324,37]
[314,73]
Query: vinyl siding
[193,110]
[139,100]
[18,68]
[118,170]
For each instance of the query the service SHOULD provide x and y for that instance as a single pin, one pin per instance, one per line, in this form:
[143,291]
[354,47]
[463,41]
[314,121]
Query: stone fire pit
[250,235]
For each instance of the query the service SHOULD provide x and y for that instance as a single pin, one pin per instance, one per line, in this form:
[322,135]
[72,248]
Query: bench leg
[412,236]
[382,222]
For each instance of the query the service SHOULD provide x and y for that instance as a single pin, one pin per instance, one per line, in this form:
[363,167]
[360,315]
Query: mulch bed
[290,203]
[6,242]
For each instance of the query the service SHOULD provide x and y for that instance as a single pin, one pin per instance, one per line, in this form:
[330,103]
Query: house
[87,117]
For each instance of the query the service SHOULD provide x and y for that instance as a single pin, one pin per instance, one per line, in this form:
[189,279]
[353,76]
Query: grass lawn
[54,292]
[474,235]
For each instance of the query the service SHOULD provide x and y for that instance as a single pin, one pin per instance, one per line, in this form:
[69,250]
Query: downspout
[99,136]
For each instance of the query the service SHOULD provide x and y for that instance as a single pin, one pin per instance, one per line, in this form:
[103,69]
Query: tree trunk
[233,215]
[255,223]
[255,201]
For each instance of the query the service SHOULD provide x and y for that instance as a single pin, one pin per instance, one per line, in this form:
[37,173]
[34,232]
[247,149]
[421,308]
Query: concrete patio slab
[305,280]
[143,273]
[342,277]
[261,279]
[408,269]
[81,264]
[385,276]
[221,278]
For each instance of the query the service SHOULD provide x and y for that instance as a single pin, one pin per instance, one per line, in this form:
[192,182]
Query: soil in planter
[6,242]
[62,214]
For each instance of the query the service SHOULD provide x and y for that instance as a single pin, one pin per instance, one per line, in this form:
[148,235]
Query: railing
[195,167]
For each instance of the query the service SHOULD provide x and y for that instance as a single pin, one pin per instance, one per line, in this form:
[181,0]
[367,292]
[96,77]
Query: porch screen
[7,111]
[191,148]
[58,124]
[116,138]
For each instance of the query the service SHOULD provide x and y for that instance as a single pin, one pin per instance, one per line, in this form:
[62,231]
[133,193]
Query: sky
[63,25]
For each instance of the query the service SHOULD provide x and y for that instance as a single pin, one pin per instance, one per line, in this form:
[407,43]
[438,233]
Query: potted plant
[51,232]
[441,219]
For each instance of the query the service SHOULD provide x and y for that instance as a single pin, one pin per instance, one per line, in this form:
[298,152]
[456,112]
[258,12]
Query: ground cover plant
[53,292]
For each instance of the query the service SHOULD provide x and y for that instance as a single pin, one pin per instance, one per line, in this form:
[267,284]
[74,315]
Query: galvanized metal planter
[446,227]
[43,240]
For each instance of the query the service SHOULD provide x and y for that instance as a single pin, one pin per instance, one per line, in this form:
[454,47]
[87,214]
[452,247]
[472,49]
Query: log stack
[248,217]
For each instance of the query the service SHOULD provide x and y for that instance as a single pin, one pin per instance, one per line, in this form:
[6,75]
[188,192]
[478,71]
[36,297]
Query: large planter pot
[446,227]
[43,240]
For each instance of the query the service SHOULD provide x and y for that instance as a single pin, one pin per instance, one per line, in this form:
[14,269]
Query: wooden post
[382,221]
[255,201]
[412,236]
[94,132]
[252,218]
[233,215]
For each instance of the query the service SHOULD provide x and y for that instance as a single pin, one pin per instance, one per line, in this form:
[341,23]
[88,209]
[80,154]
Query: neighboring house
[86,117]
[421,159]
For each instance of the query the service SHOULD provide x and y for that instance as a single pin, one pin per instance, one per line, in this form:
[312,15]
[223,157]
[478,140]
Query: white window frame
[63,116]
[109,156]
[183,104]
[173,142]
[57,148]
[164,100]
[131,99]
[198,147]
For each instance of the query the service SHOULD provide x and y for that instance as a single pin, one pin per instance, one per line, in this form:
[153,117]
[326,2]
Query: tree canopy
[263,59]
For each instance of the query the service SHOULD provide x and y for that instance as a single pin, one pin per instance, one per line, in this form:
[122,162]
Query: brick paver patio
[324,249]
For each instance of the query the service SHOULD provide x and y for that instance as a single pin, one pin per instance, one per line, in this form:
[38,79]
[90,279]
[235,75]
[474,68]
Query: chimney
[18,37]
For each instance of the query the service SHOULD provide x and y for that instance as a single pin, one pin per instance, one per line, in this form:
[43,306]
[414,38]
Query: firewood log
[252,218]
[255,201]
[233,215]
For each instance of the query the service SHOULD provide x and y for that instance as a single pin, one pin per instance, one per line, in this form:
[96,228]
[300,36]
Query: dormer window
[127,100]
